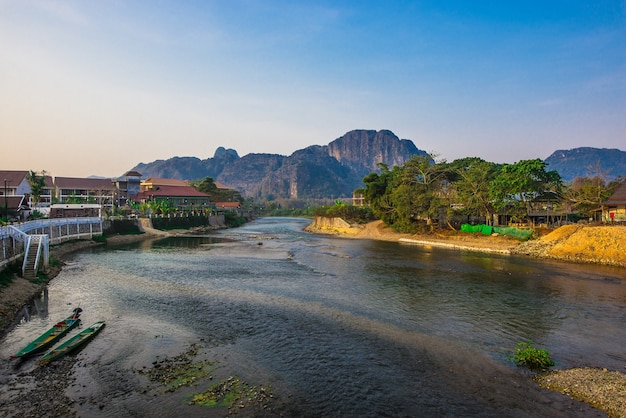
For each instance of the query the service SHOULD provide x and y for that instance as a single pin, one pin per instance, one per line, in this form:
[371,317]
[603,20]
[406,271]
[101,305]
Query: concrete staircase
[35,252]
[30,267]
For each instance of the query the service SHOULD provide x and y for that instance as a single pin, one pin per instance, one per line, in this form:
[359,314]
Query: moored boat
[51,336]
[73,343]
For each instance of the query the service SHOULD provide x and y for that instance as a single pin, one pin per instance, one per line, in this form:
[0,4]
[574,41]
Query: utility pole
[6,208]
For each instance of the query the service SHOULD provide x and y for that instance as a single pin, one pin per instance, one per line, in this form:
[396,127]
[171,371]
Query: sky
[94,87]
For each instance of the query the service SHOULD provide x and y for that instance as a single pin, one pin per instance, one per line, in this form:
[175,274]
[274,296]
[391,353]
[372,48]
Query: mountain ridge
[608,163]
[315,172]
[337,169]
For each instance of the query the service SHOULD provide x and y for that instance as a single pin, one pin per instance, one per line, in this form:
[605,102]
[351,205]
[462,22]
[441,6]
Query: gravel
[600,388]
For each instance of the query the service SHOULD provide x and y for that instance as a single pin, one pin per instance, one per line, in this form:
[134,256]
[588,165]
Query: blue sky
[94,87]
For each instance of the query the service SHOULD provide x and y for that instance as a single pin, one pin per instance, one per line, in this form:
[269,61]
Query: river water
[336,327]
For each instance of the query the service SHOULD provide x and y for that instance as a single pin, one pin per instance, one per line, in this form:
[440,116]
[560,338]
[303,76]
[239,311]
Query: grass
[532,358]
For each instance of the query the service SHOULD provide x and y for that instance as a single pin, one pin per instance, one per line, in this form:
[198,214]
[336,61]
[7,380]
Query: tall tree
[37,185]
[516,185]
[586,194]
[408,196]
[206,185]
[471,178]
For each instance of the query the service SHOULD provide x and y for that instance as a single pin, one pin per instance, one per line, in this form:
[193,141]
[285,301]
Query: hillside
[337,169]
[316,172]
[588,162]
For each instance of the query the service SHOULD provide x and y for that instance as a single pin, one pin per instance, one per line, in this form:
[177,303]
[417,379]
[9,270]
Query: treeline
[411,197]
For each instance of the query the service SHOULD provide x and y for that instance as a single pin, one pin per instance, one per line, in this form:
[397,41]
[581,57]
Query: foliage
[471,179]
[233,221]
[533,358]
[586,194]
[37,185]
[411,197]
[233,392]
[516,185]
[54,261]
[179,371]
[407,197]
[74,199]
[122,227]
[179,222]
[349,213]
[8,274]
[207,185]
[36,215]
[99,238]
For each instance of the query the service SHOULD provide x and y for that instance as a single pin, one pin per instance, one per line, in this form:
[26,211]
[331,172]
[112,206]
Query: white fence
[15,239]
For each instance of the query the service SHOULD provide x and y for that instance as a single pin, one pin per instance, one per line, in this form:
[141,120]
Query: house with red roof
[227,206]
[181,197]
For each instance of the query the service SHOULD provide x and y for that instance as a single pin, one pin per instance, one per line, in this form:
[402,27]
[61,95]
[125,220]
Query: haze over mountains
[337,169]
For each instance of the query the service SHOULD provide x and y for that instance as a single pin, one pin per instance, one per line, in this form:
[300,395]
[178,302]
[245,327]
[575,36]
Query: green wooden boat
[51,336]
[73,343]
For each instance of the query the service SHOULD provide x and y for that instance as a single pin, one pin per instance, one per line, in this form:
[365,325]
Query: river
[336,327]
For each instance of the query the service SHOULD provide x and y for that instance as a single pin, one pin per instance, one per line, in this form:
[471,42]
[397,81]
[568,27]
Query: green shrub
[349,213]
[99,238]
[533,358]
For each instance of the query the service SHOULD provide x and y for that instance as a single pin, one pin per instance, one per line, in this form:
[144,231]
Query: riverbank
[607,396]
[14,297]
[577,243]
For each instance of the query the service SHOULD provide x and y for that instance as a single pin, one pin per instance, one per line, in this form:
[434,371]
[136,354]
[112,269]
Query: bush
[99,238]
[533,358]
[349,213]
[180,222]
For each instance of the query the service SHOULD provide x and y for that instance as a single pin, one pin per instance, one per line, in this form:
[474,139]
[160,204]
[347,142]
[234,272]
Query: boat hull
[50,337]
[73,343]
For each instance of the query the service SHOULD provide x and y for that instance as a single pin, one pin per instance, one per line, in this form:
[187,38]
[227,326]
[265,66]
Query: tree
[206,185]
[423,190]
[406,196]
[586,194]
[471,178]
[516,185]
[37,185]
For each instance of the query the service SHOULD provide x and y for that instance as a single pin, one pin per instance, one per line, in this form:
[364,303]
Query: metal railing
[16,239]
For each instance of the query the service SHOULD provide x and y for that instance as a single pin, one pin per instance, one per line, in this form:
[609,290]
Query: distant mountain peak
[587,161]
[328,171]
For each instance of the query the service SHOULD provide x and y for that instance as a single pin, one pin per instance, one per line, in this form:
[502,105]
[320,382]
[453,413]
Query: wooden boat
[51,336]
[73,343]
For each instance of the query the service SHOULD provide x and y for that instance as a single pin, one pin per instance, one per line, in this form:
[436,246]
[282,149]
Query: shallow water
[337,327]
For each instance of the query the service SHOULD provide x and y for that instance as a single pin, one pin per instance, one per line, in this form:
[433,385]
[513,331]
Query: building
[614,209]
[14,208]
[227,206]
[183,198]
[128,187]
[85,190]
[154,183]
[15,183]
[358,199]
[75,210]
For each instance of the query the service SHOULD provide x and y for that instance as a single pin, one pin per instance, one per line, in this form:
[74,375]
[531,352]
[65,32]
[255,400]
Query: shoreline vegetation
[574,243]
[600,388]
